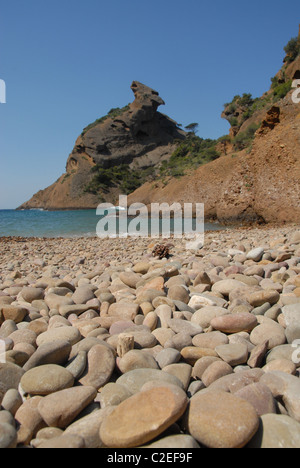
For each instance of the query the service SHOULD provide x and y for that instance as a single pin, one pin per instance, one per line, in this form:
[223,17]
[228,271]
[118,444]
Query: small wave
[36,209]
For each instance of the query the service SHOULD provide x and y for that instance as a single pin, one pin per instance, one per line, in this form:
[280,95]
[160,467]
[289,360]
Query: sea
[54,224]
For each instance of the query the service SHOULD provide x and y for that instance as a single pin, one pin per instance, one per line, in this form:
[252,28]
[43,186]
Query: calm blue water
[36,223]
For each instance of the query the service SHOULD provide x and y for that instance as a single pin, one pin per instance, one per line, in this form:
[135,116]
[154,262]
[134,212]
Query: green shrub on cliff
[243,107]
[190,154]
[281,90]
[122,176]
[292,49]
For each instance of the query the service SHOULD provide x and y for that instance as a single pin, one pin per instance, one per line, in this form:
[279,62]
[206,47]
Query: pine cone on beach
[162,251]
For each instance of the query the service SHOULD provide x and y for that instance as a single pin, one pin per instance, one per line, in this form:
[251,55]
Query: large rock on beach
[14,313]
[124,310]
[268,330]
[32,294]
[46,379]
[69,334]
[56,352]
[136,359]
[61,408]
[221,420]
[234,323]
[142,417]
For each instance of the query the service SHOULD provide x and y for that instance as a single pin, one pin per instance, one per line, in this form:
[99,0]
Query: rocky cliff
[260,185]
[136,138]
[257,177]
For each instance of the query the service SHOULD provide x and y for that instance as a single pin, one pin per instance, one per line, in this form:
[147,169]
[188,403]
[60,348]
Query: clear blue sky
[68,62]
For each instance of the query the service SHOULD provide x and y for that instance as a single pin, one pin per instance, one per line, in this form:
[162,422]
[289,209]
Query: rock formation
[137,135]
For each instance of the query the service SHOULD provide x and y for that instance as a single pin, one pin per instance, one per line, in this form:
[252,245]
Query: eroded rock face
[271,120]
[137,135]
[129,137]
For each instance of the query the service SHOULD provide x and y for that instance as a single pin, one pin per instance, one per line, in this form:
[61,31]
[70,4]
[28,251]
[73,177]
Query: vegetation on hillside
[121,176]
[190,154]
[292,50]
[249,105]
[242,108]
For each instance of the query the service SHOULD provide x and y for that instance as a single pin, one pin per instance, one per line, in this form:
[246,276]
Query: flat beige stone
[259,298]
[15,313]
[61,408]
[124,310]
[218,419]
[142,417]
[215,371]
[210,340]
[70,334]
[234,354]
[43,380]
[136,359]
[234,323]
[268,330]
[191,354]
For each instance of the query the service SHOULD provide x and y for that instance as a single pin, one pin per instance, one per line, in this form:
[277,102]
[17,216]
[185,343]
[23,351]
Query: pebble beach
[104,345]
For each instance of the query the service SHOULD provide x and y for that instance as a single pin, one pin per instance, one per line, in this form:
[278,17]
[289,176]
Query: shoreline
[96,250]
[223,228]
